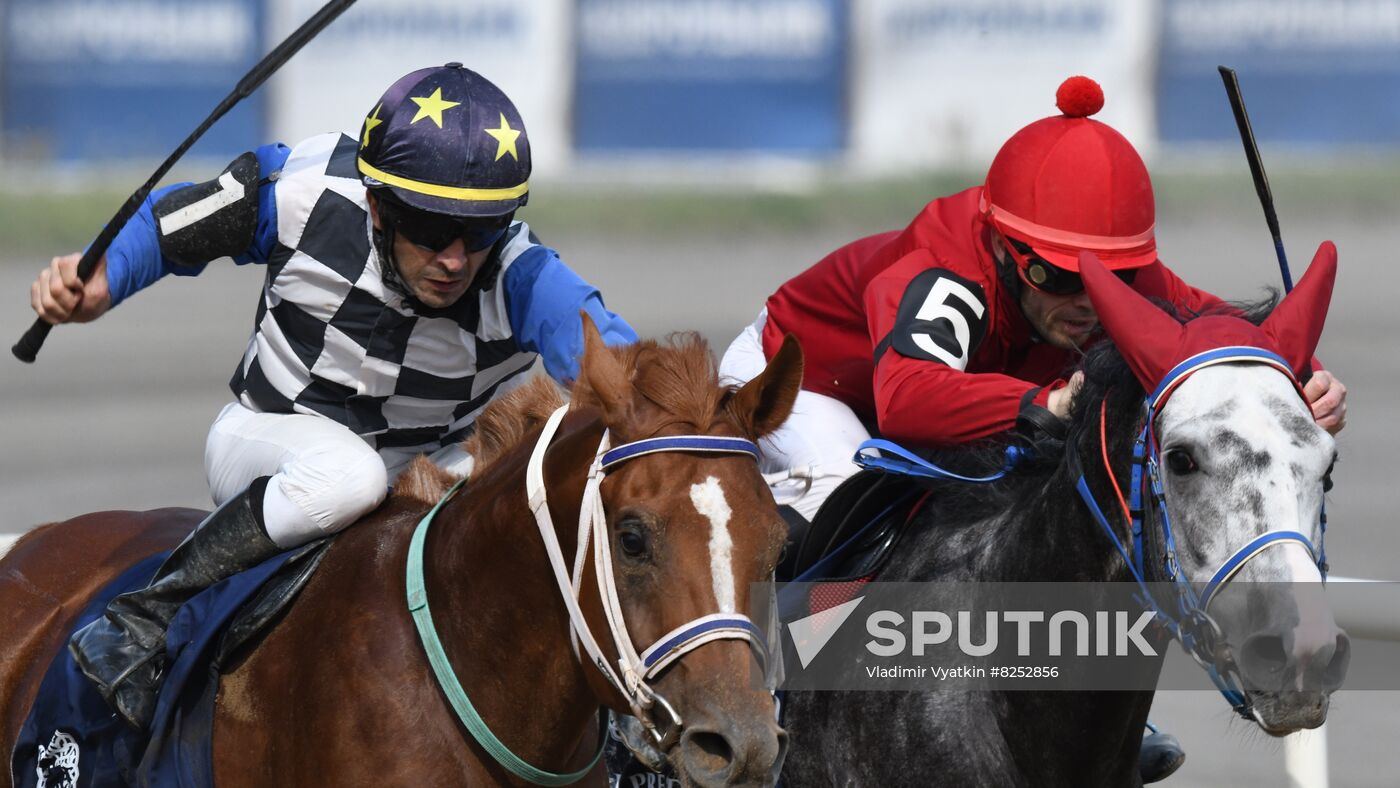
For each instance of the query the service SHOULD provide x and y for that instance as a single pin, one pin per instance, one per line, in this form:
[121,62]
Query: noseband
[633,671]
[1190,623]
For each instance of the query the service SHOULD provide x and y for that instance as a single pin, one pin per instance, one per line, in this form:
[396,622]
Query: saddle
[71,737]
[855,531]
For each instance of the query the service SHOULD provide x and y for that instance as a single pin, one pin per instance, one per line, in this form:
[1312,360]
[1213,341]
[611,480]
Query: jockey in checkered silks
[401,296]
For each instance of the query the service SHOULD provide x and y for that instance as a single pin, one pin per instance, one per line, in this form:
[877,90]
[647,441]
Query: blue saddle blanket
[73,739]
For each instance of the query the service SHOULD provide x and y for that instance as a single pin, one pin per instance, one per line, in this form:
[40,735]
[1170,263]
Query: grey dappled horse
[1242,459]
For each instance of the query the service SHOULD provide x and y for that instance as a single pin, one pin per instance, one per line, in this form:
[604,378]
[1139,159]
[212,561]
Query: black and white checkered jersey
[332,339]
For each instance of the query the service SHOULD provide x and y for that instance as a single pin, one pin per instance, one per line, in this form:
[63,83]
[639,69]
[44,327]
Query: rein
[452,688]
[1191,625]
[633,671]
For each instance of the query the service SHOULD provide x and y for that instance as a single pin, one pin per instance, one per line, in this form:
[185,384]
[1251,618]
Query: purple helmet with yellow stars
[447,140]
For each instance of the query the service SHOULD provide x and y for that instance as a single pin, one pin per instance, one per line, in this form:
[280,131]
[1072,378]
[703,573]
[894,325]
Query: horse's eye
[1327,478]
[633,543]
[1181,462]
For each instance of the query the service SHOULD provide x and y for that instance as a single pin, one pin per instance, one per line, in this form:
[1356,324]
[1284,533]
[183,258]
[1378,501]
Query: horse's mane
[499,427]
[1107,377]
[677,376]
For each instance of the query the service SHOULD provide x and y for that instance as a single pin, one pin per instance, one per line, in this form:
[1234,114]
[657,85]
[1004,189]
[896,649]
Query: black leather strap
[1034,421]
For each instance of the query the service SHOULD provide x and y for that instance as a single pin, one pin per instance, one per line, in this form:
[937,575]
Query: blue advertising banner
[111,79]
[1315,73]
[710,75]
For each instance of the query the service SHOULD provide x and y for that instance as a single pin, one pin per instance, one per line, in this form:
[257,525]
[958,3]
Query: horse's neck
[1058,537]
[1096,735]
[1052,540]
[502,620]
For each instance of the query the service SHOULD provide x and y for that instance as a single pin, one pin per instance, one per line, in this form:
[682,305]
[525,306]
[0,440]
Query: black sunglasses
[1049,278]
[435,231]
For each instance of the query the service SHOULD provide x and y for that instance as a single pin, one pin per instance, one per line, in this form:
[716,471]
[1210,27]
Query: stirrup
[1159,757]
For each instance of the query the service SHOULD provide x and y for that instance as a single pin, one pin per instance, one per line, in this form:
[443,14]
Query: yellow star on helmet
[370,122]
[505,139]
[432,107]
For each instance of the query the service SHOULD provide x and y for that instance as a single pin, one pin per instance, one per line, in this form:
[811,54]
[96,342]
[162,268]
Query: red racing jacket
[914,328]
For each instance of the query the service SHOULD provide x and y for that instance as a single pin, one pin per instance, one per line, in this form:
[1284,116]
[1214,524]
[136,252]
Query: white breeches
[324,477]
[822,432]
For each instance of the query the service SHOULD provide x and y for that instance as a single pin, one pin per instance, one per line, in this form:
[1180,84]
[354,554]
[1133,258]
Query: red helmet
[1069,183]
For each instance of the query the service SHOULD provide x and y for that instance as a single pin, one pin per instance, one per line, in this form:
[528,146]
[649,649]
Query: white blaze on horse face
[709,501]
[1261,457]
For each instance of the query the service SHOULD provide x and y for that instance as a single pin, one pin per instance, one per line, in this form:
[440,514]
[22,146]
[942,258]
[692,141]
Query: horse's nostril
[1336,669]
[1265,652]
[1263,662]
[777,768]
[708,752]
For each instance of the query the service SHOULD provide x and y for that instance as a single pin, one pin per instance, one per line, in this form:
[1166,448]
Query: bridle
[632,671]
[1190,622]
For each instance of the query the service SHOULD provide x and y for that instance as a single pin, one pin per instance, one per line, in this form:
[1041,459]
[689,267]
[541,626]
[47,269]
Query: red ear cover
[1149,339]
[1295,325]
[1153,342]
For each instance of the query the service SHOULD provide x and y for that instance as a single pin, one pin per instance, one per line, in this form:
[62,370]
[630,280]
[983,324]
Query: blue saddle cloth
[73,739]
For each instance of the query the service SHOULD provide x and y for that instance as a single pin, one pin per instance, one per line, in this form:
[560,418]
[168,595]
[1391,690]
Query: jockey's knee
[822,488]
[318,496]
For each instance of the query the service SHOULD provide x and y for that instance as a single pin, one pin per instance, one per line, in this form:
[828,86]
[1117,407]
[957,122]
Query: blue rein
[899,460]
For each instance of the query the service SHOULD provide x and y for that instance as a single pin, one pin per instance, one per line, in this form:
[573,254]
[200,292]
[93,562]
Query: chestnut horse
[340,691]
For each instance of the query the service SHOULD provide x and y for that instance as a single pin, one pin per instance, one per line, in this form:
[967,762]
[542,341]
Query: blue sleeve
[543,297]
[134,260]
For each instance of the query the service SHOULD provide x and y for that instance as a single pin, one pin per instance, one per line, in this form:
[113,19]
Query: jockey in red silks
[966,321]
[969,318]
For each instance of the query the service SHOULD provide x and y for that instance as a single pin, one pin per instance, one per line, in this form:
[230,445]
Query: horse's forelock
[681,379]
[678,378]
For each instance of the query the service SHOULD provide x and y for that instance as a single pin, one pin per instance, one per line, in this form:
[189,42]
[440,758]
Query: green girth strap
[447,680]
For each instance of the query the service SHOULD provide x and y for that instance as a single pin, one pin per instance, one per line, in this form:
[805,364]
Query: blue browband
[701,443]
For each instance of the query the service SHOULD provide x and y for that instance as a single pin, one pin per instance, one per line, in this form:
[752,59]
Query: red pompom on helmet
[1068,183]
[1079,97]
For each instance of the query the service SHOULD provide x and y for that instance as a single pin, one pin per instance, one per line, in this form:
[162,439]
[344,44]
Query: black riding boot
[123,652]
[1160,756]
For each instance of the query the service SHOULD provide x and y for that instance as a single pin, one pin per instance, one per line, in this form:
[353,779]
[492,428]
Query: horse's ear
[765,402]
[604,375]
[1295,325]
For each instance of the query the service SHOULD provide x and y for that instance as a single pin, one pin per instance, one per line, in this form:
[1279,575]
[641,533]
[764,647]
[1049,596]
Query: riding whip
[1256,168]
[28,346]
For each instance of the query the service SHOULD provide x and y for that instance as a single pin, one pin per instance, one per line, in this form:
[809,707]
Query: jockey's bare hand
[1059,400]
[59,296]
[1328,398]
